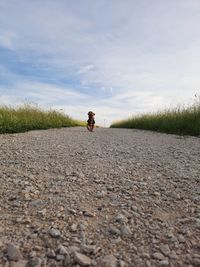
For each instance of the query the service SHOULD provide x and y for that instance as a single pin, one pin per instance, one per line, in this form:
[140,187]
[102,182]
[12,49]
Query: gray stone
[6,264]
[196,262]
[62,250]
[42,212]
[54,233]
[134,208]
[122,264]
[20,263]
[32,254]
[36,203]
[13,253]
[148,263]
[181,239]
[73,249]
[198,223]
[88,213]
[101,194]
[67,260]
[121,218]
[51,253]
[127,213]
[173,255]
[81,259]
[108,261]
[158,256]
[164,248]
[74,227]
[156,194]
[89,249]
[146,255]
[60,257]
[114,230]
[164,262]
[35,262]
[126,231]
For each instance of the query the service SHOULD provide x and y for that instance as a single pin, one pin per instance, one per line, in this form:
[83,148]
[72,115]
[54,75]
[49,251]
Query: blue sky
[118,58]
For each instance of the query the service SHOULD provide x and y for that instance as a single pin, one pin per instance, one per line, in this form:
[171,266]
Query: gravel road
[111,198]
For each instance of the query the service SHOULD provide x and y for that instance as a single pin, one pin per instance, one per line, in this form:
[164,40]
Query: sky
[119,58]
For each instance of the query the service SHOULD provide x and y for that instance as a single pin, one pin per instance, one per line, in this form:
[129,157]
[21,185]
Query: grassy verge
[25,118]
[182,121]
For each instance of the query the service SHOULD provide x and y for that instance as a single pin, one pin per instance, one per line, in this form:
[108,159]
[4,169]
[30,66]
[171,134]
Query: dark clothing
[91,121]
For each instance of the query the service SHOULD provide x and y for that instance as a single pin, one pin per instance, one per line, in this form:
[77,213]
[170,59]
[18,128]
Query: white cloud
[6,40]
[137,56]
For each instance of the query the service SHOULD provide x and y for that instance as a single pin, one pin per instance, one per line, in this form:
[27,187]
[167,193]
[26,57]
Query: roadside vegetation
[27,117]
[181,121]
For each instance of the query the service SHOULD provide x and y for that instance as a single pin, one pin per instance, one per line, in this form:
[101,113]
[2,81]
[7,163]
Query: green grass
[181,121]
[27,117]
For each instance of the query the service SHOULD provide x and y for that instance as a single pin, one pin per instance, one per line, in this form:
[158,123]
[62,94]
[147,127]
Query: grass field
[182,121]
[27,117]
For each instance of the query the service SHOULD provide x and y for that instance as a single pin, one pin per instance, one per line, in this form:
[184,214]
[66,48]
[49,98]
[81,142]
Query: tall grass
[182,121]
[27,117]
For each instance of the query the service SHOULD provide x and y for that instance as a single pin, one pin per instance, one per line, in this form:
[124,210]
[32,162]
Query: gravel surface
[111,198]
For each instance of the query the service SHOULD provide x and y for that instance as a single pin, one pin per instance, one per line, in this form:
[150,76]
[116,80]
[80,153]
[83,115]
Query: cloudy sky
[116,57]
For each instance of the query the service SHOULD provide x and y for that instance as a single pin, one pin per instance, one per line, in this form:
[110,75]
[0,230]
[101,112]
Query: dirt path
[71,198]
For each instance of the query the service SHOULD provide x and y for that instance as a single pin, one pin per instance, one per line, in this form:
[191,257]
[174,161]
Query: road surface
[114,197]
